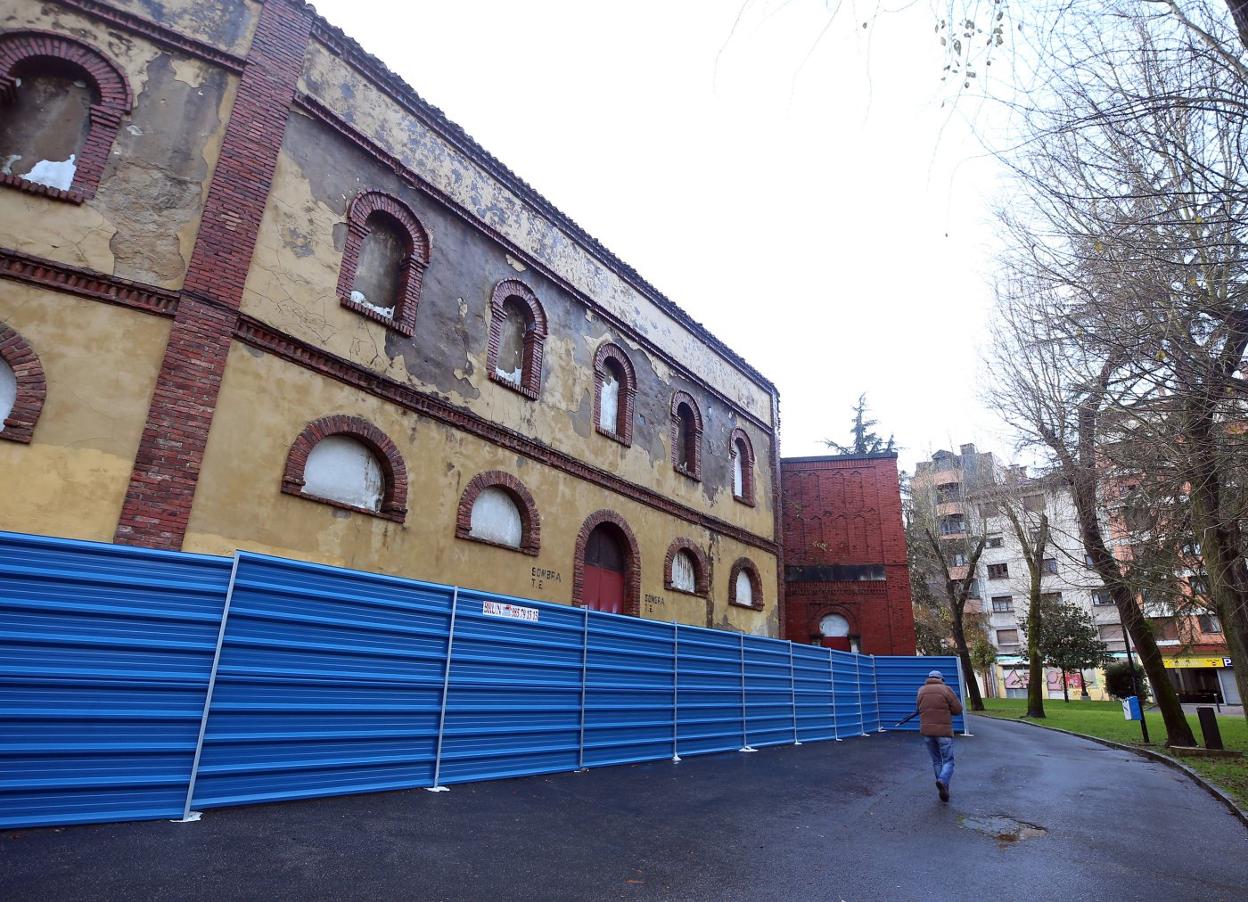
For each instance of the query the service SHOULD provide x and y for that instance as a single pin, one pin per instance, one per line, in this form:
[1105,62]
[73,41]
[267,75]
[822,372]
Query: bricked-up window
[497,509]
[615,390]
[384,261]
[742,467]
[687,568]
[349,463]
[23,387]
[998,571]
[517,338]
[745,586]
[61,103]
[686,435]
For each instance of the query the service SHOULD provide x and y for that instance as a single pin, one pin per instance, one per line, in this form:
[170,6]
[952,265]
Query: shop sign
[1196,662]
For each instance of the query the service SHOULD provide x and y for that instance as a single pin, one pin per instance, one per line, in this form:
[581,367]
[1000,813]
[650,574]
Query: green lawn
[1104,719]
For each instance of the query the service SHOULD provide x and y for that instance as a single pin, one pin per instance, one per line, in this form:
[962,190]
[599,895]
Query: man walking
[937,704]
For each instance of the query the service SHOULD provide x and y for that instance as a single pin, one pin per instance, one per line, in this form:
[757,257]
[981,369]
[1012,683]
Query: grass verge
[1105,720]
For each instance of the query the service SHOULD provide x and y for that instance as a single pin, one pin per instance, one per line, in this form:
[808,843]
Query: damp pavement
[1035,815]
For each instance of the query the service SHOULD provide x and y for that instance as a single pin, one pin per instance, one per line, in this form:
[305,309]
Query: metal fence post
[836,730]
[446,687]
[187,814]
[875,676]
[862,724]
[580,755]
[966,723]
[745,724]
[675,689]
[793,688]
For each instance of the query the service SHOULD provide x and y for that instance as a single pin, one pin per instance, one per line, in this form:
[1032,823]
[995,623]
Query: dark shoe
[943,790]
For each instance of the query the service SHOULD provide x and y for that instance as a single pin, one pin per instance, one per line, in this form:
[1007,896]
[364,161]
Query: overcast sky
[806,198]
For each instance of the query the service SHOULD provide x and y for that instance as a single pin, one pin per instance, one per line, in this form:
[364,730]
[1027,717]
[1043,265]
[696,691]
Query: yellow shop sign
[1197,662]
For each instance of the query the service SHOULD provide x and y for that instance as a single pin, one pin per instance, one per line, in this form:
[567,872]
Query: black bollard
[1209,727]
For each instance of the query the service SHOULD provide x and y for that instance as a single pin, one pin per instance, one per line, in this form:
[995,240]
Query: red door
[840,643]
[604,571]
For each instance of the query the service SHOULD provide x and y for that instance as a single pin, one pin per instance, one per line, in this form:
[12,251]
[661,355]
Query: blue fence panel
[849,720]
[899,679]
[105,653]
[812,674]
[329,682]
[514,706]
[768,691]
[709,694]
[629,713]
[870,693]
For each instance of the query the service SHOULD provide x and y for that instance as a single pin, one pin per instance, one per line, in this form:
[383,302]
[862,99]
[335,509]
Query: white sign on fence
[510,611]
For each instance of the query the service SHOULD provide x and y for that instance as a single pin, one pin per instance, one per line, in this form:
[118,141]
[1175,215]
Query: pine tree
[863,440]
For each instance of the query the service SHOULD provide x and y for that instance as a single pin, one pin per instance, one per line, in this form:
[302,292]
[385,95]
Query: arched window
[384,261]
[497,509]
[745,587]
[742,453]
[23,387]
[606,565]
[615,388]
[687,569]
[833,626]
[349,463]
[517,337]
[61,103]
[686,435]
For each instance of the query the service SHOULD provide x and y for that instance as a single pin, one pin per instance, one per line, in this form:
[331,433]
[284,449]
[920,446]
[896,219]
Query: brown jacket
[937,704]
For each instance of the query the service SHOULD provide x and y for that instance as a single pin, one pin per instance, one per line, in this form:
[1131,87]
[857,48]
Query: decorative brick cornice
[745,565]
[701,571]
[393,471]
[156,34]
[632,563]
[416,258]
[623,433]
[264,337]
[113,101]
[32,386]
[736,442]
[530,384]
[692,468]
[314,109]
[530,522]
[86,283]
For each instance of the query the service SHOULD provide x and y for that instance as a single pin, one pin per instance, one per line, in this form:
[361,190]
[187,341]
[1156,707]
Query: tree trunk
[1035,667]
[1239,14]
[964,653]
[1065,689]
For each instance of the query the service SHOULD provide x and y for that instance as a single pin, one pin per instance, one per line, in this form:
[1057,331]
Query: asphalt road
[1035,815]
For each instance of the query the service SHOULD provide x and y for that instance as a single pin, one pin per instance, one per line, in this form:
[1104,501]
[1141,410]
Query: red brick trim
[701,570]
[530,522]
[364,205]
[156,34]
[632,566]
[32,386]
[115,101]
[86,283]
[314,109]
[534,336]
[628,392]
[756,583]
[393,471]
[158,502]
[738,439]
[265,337]
[694,470]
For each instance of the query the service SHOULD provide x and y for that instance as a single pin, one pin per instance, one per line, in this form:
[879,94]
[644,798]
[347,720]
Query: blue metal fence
[136,684]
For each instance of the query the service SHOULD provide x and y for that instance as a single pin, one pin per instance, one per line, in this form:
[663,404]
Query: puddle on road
[1005,830]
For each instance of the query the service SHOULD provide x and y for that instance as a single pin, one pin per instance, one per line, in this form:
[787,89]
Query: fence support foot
[437,789]
[676,759]
[191,817]
[746,748]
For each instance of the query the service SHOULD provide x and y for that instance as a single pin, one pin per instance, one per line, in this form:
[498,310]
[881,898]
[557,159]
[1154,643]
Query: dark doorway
[605,563]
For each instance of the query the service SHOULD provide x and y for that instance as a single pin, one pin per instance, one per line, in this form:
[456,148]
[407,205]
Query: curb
[1146,753]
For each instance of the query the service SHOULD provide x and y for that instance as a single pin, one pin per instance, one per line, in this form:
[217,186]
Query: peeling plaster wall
[101,364]
[239,504]
[225,24]
[292,284]
[142,222]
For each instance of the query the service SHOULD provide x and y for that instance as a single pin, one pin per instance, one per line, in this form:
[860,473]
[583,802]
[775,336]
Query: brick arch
[364,205]
[534,336]
[694,470]
[818,612]
[756,583]
[628,390]
[393,470]
[113,101]
[702,566]
[632,567]
[530,522]
[32,386]
[740,438]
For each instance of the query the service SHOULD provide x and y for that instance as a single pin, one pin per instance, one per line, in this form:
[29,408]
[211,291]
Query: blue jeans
[941,750]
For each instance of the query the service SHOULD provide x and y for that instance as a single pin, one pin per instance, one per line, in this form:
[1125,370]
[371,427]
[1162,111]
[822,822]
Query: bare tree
[1033,540]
